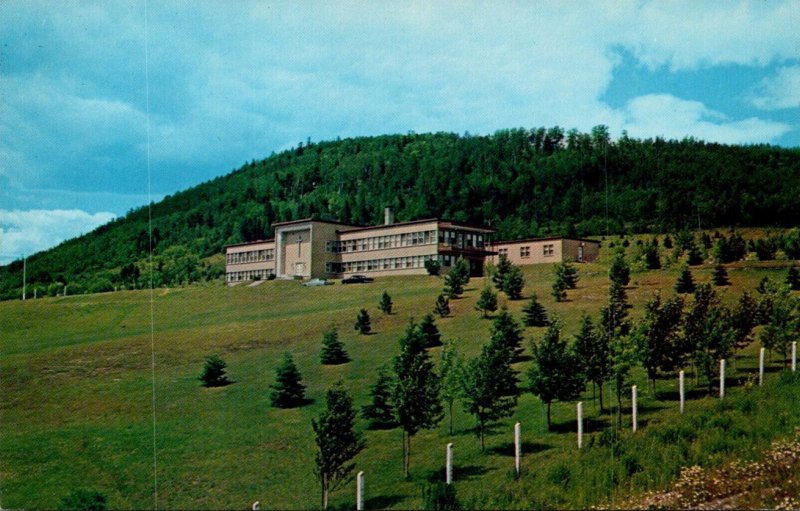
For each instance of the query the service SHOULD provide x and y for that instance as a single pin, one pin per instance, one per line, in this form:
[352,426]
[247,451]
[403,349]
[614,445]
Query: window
[525,252]
[547,250]
[502,251]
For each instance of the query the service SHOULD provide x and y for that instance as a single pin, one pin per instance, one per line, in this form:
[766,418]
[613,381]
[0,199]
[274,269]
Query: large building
[312,248]
[316,248]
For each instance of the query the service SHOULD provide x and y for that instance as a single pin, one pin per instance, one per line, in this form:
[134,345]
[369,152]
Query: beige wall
[295,252]
[321,233]
[561,249]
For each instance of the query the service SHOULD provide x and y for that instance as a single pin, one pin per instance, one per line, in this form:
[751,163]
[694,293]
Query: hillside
[520,182]
[78,374]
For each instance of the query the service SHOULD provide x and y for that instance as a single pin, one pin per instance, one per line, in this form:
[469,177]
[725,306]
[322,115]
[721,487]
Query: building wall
[572,250]
[554,250]
[321,233]
[250,261]
[294,247]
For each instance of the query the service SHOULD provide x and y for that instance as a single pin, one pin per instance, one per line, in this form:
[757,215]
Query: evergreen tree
[694,256]
[720,277]
[501,272]
[332,348]
[362,325]
[84,500]
[379,412]
[592,352]
[559,290]
[566,272]
[487,302]
[213,374]
[385,304]
[456,278]
[657,337]
[337,441]
[442,307]
[487,383]
[619,271]
[287,391]
[507,334]
[534,312]
[793,279]
[430,332]
[514,283]
[416,397]
[451,371]
[552,375]
[651,259]
[685,282]
[667,241]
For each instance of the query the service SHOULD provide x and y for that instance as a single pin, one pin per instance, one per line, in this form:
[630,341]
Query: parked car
[357,279]
[318,282]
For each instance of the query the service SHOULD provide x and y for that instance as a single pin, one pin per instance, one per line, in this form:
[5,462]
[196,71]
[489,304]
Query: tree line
[521,182]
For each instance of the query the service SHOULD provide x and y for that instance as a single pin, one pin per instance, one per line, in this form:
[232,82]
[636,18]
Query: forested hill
[520,182]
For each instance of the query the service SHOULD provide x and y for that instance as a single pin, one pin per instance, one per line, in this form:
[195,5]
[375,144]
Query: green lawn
[77,376]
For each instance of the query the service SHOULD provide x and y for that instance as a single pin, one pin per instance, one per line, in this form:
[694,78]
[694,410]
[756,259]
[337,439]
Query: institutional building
[311,248]
[317,248]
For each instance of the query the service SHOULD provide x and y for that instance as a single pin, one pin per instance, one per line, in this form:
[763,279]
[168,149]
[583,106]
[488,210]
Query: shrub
[440,497]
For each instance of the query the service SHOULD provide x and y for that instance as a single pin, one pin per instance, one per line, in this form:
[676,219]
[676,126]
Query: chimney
[388,216]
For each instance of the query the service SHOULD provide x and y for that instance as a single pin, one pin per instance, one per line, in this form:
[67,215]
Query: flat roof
[550,238]
[250,243]
[442,223]
[306,220]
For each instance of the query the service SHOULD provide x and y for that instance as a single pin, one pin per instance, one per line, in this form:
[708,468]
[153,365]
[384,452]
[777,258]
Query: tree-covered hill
[520,182]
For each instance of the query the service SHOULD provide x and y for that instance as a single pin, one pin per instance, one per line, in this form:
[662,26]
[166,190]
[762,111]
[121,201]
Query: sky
[105,106]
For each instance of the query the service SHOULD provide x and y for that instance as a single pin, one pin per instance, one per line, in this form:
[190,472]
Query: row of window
[379,242]
[253,256]
[239,276]
[389,263]
[525,252]
[460,239]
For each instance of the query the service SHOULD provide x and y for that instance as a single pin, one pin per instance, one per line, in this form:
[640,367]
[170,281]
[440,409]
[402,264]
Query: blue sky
[80,82]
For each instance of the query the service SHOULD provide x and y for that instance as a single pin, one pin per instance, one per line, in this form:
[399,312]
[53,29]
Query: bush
[84,500]
[433,266]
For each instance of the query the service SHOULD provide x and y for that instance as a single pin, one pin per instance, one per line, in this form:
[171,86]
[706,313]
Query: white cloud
[27,232]
[665,115]
[779,91]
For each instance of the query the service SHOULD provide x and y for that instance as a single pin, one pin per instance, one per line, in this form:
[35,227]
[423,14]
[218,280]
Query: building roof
[550,238]
[441,223]
[250,243]
[306,220]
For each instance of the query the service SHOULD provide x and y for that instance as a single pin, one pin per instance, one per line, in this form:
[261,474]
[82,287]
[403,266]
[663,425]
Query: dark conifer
[287,391]
[379,412]
[442,307]
[487,302]
[430,332]
[363,325]
[534,312]
[793,279]
[720,276]
[333,349]
[386,303]
[685,282]
[213,374]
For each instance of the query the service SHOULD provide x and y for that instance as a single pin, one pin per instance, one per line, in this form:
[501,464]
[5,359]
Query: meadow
[78,375]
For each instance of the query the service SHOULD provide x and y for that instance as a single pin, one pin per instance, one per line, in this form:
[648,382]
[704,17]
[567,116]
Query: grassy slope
[77,408]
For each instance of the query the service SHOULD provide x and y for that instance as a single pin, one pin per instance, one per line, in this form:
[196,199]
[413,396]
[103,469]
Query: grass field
[77,410]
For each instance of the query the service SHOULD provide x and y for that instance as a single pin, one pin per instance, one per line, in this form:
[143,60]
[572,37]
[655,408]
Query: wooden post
[722,378]
[449,464]
[580,424]
[634,423]
[761,366]
[794,356]
[360,491]
[517,447]
[680,390]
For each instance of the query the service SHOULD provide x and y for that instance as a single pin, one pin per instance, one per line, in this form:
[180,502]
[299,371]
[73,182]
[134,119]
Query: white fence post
[580,424]
[761,366]
[634,422]
[722,378]
[680,390]
[517,447]
[360,491]
[449,468]
[794,356]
